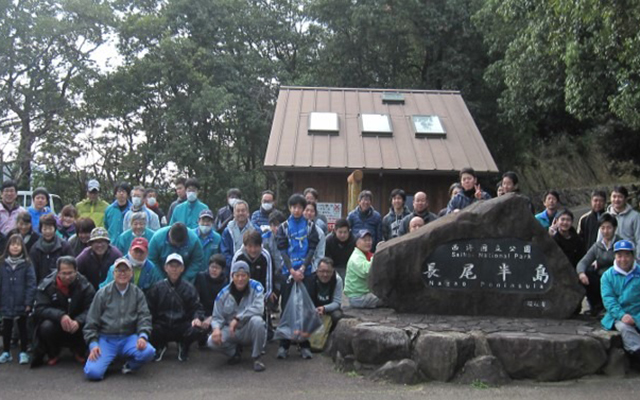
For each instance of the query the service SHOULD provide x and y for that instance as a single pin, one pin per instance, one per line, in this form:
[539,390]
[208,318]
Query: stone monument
[492,258]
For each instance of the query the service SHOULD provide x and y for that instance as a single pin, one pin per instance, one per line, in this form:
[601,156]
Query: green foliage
[45,68]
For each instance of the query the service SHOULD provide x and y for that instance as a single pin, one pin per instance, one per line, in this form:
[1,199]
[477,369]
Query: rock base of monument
[412,348]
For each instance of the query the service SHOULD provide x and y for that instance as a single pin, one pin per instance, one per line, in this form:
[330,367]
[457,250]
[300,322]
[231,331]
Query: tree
[45,66]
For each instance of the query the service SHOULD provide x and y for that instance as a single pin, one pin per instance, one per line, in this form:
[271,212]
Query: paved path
[206,376]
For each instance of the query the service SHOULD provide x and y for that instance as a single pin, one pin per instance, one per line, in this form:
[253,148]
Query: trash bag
[320,336]
[299,318]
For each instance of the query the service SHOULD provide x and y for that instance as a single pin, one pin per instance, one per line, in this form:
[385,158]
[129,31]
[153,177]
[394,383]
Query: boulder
[492,258]
[485,369]
[375,344]
[547,357]
[617,363]
[440,355]
[403,372]
[340,340]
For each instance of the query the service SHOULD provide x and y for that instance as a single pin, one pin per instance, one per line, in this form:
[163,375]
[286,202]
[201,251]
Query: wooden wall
[333,187]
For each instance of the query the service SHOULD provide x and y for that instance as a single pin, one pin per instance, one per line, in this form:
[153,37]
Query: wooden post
[355,187]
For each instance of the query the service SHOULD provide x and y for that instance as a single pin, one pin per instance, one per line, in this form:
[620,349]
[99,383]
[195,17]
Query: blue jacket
[17,289]
[188,213]
[191,252]
[124,240]
[114,218]
[620,296]
[370,220]
[210,246]
[35,216]
[297,240]
[148,276]
[544,219]
[462,200]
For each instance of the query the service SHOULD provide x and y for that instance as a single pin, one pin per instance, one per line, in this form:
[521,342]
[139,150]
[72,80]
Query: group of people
[125,279]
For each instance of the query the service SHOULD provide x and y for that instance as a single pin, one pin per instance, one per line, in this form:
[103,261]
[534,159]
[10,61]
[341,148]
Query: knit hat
[240,266]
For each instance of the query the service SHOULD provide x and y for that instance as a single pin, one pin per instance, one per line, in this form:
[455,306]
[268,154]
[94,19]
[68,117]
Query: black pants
[336,316]
[594,296]
[183,333]
[7,328]
[52,338]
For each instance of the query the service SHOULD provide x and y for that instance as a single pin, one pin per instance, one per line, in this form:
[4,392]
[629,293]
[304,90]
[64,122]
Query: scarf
[62,287]
[48,247]
[14,261]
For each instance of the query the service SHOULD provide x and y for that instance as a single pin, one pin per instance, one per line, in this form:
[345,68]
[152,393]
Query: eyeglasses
[122,271]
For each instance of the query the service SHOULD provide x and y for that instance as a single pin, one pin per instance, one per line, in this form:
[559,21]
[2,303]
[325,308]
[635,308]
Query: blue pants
[117,346]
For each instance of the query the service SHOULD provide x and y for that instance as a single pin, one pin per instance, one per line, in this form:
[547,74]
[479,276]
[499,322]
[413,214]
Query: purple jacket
[96,270]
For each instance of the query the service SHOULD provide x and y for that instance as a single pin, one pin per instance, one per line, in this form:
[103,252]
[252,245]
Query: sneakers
[126,369]
[23,358]
[258,366]
[5,357]
[306,353]
[159,354]
[53,361]
[183,352]
[282,353]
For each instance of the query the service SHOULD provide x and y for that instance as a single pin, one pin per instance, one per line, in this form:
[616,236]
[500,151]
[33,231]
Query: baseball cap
[623,245]
[362,233]
[120,261]
[174,257]
[93,185]
[206,214]
[140,243]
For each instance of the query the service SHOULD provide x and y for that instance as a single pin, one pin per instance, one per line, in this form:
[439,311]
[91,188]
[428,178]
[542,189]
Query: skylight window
[392,98]
[376,124]
[428,126]
[323,123]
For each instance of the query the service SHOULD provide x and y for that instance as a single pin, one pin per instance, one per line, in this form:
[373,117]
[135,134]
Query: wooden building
[415,140]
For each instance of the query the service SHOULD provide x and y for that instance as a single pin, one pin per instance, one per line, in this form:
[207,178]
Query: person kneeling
[62,302]
[175,310]
[118,324]
[620,288]
[237,317]
[356,287]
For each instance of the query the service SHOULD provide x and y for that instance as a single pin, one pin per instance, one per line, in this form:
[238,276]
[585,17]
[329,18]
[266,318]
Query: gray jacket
[114,314]
[628,225]
[602,256]
[225,308]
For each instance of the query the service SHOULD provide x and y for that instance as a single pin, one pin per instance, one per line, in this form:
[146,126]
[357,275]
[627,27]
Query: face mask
[137,201]
[232,202]
[267,206]
[136,263]
[192,196]
[151,201]
[204,229]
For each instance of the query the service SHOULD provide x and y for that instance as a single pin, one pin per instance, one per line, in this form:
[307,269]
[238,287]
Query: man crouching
[237,317]
[118,324]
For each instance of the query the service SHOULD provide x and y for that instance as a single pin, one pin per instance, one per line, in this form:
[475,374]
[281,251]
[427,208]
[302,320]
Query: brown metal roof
[292,148]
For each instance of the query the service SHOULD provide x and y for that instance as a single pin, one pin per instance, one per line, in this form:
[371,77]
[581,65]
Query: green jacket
[95,211]
[357,274]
